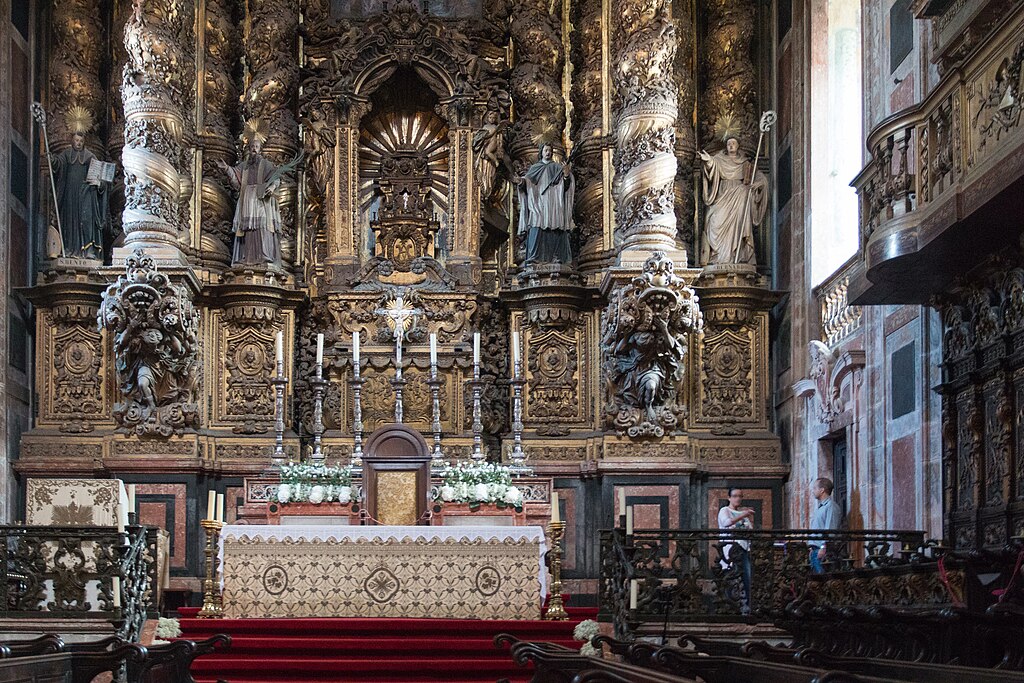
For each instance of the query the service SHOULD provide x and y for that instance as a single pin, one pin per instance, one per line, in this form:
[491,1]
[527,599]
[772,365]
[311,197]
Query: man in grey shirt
[826,515]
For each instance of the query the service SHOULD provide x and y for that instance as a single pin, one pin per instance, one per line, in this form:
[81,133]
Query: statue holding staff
[80,191]
[736,194]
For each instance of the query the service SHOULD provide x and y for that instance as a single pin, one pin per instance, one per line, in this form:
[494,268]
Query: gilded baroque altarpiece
[155,364]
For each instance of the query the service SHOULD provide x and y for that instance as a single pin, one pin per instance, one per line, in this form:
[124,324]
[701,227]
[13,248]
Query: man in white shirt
[826,515]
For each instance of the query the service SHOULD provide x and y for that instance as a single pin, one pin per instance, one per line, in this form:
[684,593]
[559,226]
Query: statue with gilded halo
[736,195]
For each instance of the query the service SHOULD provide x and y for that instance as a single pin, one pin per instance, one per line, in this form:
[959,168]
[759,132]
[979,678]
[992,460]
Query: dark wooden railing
[685,575]
[70,572]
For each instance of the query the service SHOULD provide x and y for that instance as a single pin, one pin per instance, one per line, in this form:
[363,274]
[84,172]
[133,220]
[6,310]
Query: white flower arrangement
[316,484]
[167,628]
[479,483]
[585,630]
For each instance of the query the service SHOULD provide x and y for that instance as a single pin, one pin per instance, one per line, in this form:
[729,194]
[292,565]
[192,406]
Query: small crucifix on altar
[401,317]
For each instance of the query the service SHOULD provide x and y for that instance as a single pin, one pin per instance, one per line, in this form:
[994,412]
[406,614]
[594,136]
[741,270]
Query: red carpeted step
[346,650]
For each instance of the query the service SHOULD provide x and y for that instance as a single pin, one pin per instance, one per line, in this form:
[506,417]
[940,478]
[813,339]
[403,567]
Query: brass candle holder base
[213,598]
[556,608]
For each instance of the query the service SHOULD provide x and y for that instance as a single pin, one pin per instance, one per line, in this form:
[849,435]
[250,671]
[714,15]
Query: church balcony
[945,184]
[839,320]
[77,579]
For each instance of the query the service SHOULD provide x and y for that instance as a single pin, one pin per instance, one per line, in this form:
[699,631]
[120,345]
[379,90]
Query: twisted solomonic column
[76,60]
[221,49]
[536,81]
[645,163]
[156,93]
[587,132]
[730,84]
[686,143]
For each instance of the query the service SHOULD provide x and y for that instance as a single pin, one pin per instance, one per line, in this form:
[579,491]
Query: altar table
[383,571]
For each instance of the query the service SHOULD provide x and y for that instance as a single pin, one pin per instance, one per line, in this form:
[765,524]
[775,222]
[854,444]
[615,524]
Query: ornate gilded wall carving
[153,327]
[272,82]
[983,399]
[686,142]
[74,383]
[729,80]
[588,133]
[536,79]
[646,336]
[76,62]
[646,111]
[157,93]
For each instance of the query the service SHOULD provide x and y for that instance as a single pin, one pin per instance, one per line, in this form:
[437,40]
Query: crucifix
[401,317]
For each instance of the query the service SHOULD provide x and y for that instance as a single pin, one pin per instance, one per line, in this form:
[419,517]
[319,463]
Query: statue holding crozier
[546,193]
[81,186]
[736,195]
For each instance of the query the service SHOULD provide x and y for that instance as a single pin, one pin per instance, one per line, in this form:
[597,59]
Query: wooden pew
[49,658]
[557,664]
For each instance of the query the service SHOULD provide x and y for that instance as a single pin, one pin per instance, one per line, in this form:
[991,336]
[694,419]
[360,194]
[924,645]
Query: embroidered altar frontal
[383,572]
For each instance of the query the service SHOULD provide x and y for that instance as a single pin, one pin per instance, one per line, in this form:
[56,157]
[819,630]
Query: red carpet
[365,650]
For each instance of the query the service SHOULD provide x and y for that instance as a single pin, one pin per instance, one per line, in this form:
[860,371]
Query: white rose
[480,492]
[447,493]
[316,495]
[513,496]
[345,494]
[284,493]
[462,490]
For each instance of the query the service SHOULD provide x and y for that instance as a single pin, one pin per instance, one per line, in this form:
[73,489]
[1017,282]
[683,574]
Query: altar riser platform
[367,650]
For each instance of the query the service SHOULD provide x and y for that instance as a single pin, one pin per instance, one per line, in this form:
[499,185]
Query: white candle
[629,521]
[279,346]
[120,520]
[320,348]
[220,507]
[515,352]
[131,498]
[476,348]
[622,501]
[355,348]
[634,590]
[433,349]
[115,589]
[211,502]
[555,515]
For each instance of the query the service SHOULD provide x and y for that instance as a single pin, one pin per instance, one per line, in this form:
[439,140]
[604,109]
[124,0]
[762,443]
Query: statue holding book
[82,188]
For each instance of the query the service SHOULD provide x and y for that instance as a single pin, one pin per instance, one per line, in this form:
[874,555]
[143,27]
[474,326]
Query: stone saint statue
[735,205]
[488,150]
[257,216]
[82,204]
[545,208]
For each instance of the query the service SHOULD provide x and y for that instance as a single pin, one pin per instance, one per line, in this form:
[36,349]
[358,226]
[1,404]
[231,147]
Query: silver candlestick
[319,388]
[518,456]
[279,382]
[478,427]
[437,458]
[357,417]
